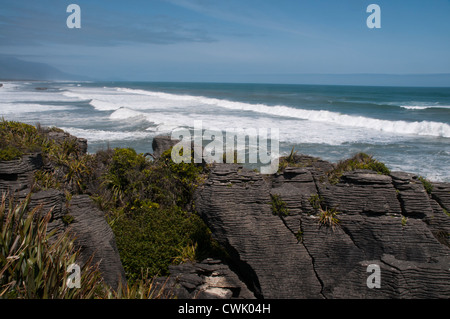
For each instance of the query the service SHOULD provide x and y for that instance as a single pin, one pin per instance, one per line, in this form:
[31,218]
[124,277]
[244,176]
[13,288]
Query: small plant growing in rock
[287,160]
[299,235]
[404,221]
[316,201]
[426,184]
[446,212]
[358,161]
[68,219]
[327,217]
[279,207]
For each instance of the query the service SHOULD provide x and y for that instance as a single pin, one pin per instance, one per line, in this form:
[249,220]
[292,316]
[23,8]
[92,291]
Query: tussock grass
[358,161]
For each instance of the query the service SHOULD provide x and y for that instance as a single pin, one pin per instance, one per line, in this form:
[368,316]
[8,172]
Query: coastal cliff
[224,231]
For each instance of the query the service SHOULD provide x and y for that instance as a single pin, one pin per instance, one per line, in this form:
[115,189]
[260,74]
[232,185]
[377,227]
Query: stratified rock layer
[384,220]
[209,279]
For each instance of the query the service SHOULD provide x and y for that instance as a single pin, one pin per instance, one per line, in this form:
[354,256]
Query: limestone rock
[161,144]
[385,220]
[209,279]
[235,203]
[95,238]
[17,175]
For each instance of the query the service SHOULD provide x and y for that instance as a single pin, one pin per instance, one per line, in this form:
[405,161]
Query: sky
[229,40]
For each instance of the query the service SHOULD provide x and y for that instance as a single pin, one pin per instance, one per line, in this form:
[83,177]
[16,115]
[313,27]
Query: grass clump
[426,184]
[279,207]
[358,161]
[327,217]
[287,161]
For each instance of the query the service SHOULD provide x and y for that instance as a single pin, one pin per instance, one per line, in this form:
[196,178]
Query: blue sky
[228,41]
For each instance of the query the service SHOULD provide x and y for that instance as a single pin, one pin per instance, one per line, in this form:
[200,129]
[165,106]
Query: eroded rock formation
[384,220]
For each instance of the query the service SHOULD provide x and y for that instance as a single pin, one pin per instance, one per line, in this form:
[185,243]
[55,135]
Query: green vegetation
[446,212]
[148,203]
[287,161]
[358,161]
[299,235]
[327,217]
[404,221]
[150,206]
[32,266]
[426,184]
[316,201]
[69,166]
[46,180]
[17,139]
[279,207]
[68,219]
[9,153]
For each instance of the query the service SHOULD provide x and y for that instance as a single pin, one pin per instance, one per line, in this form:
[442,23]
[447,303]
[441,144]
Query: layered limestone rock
[384,220]
[209,279]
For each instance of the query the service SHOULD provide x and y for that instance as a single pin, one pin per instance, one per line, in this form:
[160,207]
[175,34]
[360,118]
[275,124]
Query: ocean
[406,128]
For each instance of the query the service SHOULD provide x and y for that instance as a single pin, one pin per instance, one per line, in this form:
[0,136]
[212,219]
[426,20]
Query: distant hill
[15,69]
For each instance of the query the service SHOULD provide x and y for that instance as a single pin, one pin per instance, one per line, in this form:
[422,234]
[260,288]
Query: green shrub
[358,161]
[151,204]
[153,238]
[287,161]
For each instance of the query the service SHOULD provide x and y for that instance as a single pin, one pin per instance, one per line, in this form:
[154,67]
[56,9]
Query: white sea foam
[20,108]
[422,128]
[424,107]
[415,107]
[94,135]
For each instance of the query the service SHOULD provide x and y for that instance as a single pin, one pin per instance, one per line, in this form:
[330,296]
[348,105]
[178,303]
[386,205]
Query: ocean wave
[125,113]
[415,107]
[422,128]
[22,108]
[424,107]
[93,135]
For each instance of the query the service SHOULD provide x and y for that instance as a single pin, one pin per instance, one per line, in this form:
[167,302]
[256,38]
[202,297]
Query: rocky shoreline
[386,220]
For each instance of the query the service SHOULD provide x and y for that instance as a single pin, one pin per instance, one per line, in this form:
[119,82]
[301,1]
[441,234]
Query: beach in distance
[406,128]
